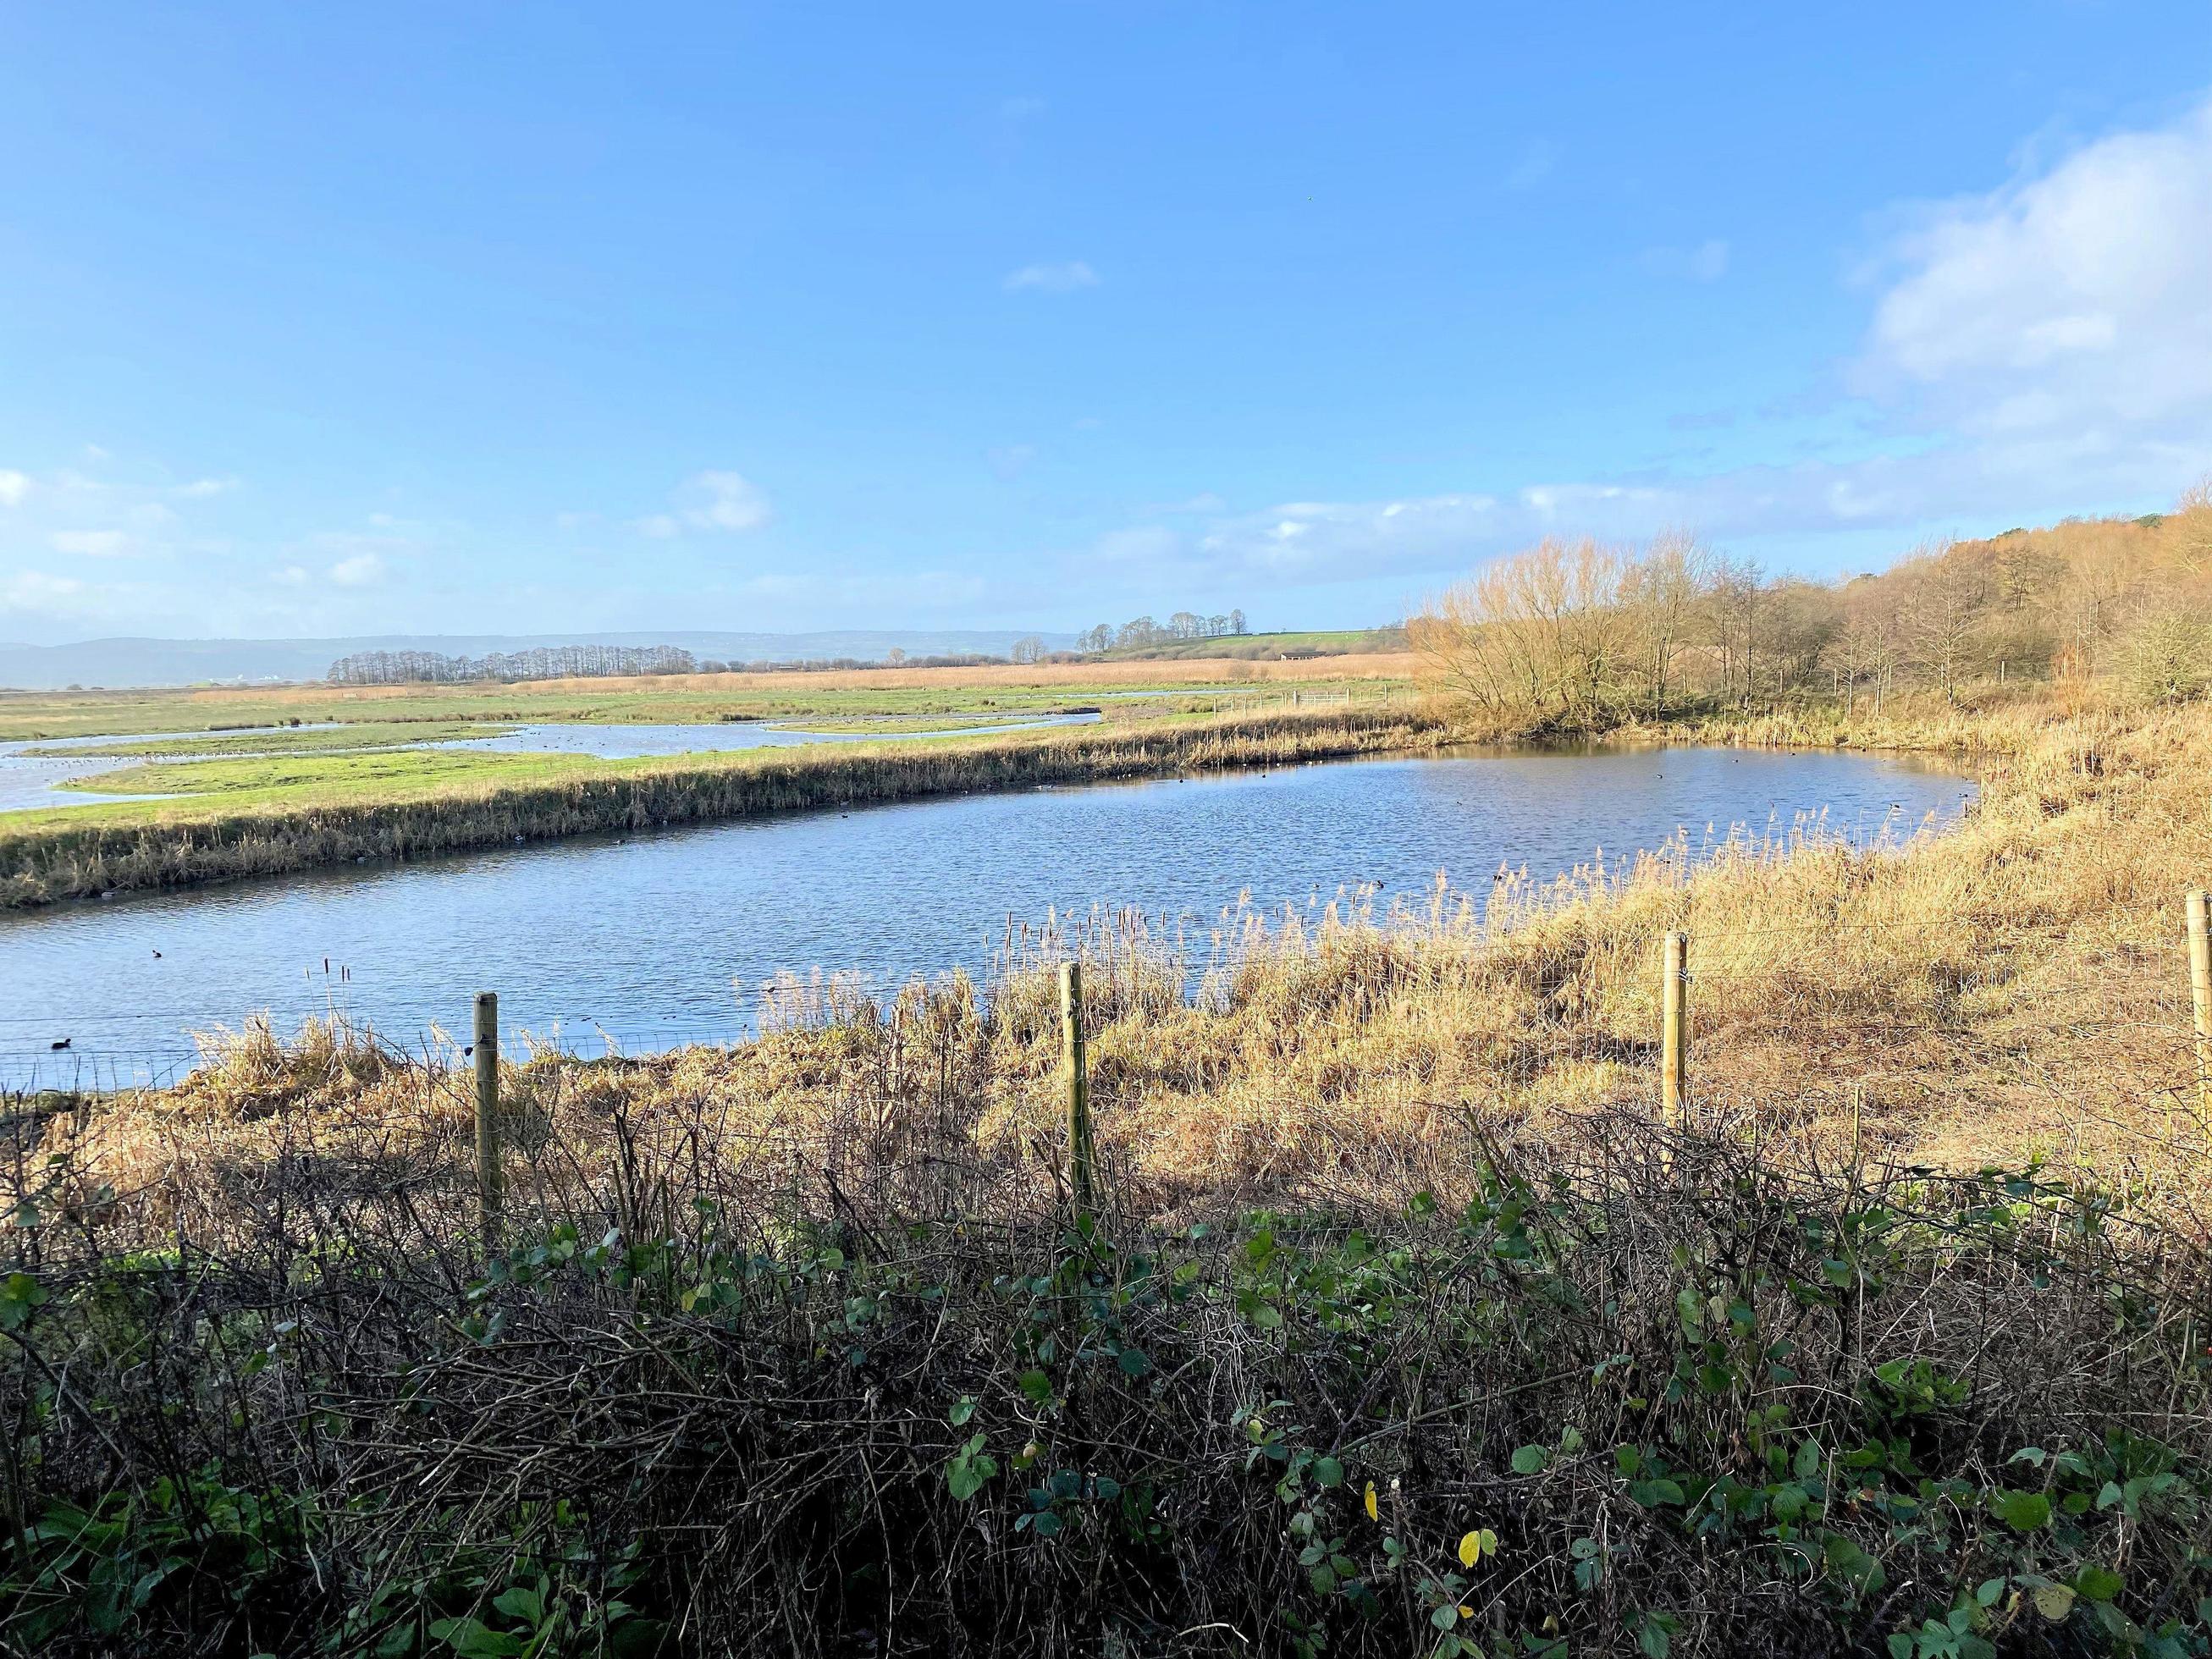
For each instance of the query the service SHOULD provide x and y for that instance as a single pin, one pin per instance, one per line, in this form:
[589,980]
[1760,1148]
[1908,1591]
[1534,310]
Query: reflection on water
[646,935]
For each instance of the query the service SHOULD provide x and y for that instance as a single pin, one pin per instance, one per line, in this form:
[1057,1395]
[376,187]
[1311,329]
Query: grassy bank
[276,740]
[270,814]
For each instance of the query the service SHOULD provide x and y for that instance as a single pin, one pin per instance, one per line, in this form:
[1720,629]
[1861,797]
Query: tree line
[604,661]
[554,662]
[1574,635]
[1144,631]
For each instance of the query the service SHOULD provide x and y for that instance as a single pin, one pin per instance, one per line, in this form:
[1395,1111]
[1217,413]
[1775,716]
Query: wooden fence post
[1079,1086]
[2200,997]
[1674,1031]
[491,1182]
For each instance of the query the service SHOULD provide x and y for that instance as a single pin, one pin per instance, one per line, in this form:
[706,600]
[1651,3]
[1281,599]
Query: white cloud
[2035,351]
[2074,305]
[290,575]
[361,570]
[715,500]
[201,488]
[91,543]
[34,590]
[1051,278]
[732,503]
[14,486]
[1708,262]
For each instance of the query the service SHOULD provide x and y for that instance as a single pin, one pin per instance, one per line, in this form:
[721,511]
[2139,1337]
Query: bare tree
[1538,638]
[1945,601]
[1662,590]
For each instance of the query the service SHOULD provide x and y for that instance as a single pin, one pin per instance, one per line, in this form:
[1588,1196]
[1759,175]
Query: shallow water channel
[659,938]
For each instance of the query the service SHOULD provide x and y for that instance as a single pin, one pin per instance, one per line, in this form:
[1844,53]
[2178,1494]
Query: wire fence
[1779,1021]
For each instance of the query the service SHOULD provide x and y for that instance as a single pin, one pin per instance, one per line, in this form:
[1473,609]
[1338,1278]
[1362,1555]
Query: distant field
[1268,647]
[988,691]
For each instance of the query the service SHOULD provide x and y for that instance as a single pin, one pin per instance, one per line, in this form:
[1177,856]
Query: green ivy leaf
[19,1294]
[2096,1584]
[968,1469]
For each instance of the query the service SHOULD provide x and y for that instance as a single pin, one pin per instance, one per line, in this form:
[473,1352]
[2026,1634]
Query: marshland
[1401,1316]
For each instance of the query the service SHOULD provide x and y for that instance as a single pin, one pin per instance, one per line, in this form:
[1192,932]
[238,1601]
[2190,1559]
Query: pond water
[658,938]
[28,780]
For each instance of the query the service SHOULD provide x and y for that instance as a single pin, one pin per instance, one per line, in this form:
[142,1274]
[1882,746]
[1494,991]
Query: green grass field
[1259,647]
[254,714]
[203,790]
[199,788]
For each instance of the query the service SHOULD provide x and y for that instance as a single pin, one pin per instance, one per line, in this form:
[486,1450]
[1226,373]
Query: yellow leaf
[1470,1549]
[2054,1602]
[1370,1501]
[1465,1611]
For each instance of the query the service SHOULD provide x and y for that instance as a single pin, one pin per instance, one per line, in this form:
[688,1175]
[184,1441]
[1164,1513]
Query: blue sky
[339,319]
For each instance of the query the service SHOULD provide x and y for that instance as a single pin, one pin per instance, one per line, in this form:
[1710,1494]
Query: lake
[656,937]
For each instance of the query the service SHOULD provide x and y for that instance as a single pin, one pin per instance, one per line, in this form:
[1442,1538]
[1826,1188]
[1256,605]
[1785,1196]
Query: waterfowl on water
[63,1044]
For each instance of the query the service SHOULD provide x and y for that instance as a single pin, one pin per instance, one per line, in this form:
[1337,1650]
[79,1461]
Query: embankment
[199,841]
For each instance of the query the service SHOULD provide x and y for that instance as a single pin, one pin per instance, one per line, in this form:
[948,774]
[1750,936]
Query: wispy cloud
[1064,278]
[91,543]
[14,487]
[361,570]
[1708,262]
[1539,159]
[38,591]
[711,500]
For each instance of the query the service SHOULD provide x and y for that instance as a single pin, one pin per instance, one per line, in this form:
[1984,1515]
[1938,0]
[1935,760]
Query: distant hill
[140,662]
[1265,648]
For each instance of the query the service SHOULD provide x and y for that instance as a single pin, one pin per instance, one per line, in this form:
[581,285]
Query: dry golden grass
[2012,989]
[1044,677]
